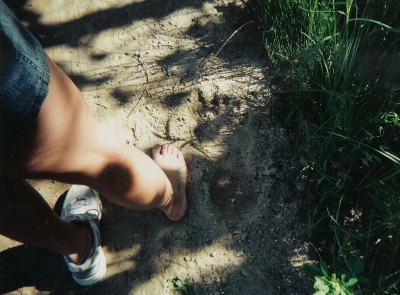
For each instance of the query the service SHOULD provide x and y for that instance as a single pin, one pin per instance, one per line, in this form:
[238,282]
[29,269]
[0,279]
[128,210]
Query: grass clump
[336,76]
[331,284]
[181,286]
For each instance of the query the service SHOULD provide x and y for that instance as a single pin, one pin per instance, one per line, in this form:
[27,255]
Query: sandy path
[149,73]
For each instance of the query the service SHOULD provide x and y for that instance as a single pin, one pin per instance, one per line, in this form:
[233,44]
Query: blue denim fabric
[24,78]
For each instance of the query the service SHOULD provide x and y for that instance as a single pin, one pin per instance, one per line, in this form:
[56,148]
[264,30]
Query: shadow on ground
[244,231]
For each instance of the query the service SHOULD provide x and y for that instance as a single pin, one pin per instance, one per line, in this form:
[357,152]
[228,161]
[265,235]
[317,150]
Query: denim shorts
[24,79]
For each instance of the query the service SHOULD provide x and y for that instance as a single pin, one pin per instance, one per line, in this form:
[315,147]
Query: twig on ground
[231,36]
[144,67]
[134,108]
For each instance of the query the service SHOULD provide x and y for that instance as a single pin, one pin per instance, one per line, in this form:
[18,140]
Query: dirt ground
[150,74]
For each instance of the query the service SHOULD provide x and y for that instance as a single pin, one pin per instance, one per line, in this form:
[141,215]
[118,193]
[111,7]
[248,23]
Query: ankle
[83,242]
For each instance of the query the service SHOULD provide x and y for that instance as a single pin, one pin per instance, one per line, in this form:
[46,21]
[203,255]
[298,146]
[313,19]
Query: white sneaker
[83,205]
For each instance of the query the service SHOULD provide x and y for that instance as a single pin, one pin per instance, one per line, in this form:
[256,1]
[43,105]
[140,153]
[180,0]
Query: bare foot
[172,162]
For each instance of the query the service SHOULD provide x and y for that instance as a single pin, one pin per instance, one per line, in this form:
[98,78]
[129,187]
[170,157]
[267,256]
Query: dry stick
[141,62]
[231,36]
[144,67]
[100,105]
[140,99]
[176,84]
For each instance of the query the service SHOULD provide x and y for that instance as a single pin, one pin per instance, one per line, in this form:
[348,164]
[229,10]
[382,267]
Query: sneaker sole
[97,276]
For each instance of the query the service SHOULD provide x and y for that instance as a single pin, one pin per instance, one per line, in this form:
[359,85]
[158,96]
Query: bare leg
[67,144]
[27,218]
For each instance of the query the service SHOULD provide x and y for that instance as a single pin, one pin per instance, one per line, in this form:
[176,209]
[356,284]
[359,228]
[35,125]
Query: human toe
[156,150]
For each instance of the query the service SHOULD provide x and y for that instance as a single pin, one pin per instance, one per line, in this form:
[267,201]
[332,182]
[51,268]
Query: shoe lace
[79,206]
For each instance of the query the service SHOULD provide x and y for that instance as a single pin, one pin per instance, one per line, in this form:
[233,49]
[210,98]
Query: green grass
[181,286]
[337,81]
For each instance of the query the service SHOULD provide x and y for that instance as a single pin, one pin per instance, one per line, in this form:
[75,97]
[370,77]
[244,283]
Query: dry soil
[150,73]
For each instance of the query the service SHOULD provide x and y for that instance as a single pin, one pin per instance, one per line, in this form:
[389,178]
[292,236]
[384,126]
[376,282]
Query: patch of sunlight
[300,260]
[208,264]
[181,18]
[69,11]
[121,261]
[50,190]
[213,151]
[6,243]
